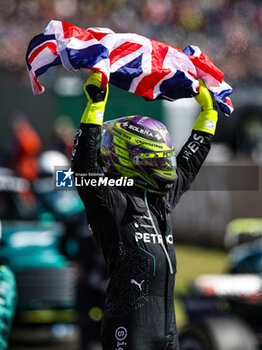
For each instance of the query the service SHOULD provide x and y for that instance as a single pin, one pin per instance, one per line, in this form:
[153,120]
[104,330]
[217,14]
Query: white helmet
[48,160]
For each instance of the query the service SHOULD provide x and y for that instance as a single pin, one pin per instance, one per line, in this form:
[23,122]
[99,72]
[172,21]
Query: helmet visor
[157,160]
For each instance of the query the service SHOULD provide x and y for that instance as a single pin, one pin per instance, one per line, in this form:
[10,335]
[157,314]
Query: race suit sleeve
[103,203]
[86,168]
[189,161]
[195,150]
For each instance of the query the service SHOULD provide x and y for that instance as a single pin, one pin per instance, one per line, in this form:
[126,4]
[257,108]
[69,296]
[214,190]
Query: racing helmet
[48,160]
[141,148]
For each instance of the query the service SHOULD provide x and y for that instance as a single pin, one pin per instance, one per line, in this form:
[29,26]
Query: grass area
[191,262]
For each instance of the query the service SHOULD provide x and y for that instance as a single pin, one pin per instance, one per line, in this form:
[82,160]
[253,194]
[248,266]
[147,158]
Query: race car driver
[132,224]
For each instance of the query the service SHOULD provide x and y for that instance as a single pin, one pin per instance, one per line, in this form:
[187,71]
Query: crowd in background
[229,31]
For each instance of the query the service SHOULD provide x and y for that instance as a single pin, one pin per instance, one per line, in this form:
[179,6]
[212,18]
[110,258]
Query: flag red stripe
[52,47]
[71,30]
[97,35]
[203,62]
[123,50]
[146,85]
[38,84]
[229,102]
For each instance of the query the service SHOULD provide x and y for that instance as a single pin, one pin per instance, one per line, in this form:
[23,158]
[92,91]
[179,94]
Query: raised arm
[84,155]
[195,150]
[85,151]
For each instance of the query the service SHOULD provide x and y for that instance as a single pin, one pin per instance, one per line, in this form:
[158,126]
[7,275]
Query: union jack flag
[143,66]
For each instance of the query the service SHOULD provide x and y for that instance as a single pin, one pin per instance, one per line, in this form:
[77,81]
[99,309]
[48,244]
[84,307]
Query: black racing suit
[134,230]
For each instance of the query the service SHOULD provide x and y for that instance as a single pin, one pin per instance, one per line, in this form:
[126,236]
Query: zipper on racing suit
[155,230]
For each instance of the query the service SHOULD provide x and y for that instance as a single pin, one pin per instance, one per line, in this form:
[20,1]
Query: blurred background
[40,236]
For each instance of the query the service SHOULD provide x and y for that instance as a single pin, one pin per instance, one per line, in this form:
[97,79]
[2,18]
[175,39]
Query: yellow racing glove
[97,98]
[207,119]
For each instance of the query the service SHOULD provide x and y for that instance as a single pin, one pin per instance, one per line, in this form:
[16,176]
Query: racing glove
[207,119]
[97,98]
